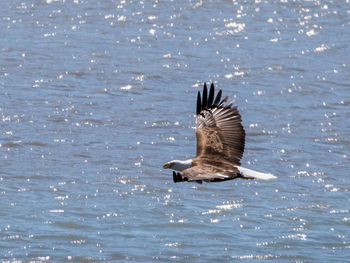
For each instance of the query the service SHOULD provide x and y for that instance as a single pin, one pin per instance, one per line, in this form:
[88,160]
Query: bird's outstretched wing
[219,129]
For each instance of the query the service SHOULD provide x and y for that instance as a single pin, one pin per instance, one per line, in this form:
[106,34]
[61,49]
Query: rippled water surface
[96,95]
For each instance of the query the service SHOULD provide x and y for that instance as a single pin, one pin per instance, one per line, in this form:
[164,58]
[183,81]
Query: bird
[220,143]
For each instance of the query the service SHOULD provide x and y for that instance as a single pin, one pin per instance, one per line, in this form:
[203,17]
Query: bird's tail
[251,174]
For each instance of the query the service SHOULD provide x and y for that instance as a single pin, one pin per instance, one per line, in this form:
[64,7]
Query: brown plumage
[220,140]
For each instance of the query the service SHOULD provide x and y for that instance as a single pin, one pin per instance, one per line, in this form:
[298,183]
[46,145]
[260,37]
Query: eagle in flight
[220,144]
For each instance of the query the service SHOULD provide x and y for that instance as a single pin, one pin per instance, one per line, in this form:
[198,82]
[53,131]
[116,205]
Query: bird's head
[168,165]
[178,165]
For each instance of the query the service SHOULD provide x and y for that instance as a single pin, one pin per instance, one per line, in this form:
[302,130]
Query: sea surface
[95,96]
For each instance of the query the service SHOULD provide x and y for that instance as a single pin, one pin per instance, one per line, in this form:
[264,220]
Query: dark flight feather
[204,97]
[211,94]
[199,104]
[218,98]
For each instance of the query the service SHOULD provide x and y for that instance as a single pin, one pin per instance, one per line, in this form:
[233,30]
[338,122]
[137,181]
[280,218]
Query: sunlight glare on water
[97,95]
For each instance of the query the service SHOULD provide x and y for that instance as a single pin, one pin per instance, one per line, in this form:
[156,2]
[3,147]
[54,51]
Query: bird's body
[220,144]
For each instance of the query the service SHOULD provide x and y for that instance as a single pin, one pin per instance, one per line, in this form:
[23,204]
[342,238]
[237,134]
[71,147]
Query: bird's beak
[166,166]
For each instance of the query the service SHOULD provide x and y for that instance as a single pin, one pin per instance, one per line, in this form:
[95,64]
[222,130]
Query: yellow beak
[166,166]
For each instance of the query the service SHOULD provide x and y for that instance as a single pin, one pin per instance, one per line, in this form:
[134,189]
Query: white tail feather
[248,173]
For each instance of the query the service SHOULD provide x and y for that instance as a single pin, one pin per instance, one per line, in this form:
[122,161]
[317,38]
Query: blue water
[95,96]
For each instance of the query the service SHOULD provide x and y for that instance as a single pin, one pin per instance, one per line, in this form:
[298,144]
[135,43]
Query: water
[96,95]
